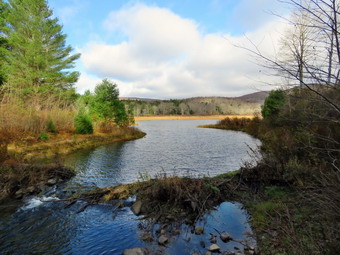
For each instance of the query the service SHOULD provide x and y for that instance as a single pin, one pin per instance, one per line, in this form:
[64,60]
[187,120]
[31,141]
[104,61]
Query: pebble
[214,248]
[199,230]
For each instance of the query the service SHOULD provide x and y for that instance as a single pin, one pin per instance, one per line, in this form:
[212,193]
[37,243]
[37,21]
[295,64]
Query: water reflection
[175,147]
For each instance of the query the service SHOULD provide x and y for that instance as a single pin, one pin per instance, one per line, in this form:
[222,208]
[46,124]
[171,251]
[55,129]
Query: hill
[243,105]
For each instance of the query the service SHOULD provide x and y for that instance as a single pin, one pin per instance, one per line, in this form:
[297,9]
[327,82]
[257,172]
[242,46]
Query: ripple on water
[44,226]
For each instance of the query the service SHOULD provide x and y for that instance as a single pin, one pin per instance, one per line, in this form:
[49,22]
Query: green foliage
[83,124]
[106,105]
[36,58]
[3,39]
[43,137]
[213,188]
[275,191]
[51,127]
[273,103]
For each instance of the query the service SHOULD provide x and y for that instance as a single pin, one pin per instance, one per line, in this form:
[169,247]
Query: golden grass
[65,143]
[191,117]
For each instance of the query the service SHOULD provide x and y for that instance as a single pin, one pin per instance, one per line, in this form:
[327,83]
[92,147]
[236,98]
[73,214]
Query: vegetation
[196,106]
[83,124]
[39,108]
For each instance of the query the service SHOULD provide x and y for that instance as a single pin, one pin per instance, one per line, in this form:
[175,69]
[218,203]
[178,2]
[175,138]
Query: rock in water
[213,238]
[135,251]
[199,230]
[214,248]
[162,240]
[225,237]
[136,207]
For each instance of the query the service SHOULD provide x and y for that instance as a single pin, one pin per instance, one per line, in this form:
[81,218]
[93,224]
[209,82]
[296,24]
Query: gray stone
[213,238]
[19,193]
[31,189]
[120,204]
[162,240]
[208,253]
[135,251]
[52,181]
[146,237]
[214,248]
[225,237]
[199,230]
[136,207]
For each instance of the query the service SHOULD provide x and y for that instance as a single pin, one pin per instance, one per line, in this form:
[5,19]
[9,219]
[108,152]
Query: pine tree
[3,41]
[37,58]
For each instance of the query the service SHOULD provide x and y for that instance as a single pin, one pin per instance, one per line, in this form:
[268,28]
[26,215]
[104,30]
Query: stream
[42,224]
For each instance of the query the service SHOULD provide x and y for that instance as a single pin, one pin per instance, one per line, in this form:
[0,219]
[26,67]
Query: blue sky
[170,49]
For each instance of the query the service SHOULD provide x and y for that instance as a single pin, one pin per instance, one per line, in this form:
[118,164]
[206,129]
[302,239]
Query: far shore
[191,117]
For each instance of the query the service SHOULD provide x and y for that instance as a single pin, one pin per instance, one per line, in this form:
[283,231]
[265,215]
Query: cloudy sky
[171,49]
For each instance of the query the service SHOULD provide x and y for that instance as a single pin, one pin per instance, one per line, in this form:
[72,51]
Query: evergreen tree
[106,104]
[37,58]
[3,41]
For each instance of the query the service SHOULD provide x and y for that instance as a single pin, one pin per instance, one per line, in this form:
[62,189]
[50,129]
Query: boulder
[136,207]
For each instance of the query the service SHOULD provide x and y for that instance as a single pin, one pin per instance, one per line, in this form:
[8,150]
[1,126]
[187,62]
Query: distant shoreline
[190,117]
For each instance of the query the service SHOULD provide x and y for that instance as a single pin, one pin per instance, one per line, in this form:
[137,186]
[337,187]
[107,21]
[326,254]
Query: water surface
[44,226]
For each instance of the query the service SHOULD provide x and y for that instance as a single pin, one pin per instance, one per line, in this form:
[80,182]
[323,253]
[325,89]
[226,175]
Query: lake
[43,226]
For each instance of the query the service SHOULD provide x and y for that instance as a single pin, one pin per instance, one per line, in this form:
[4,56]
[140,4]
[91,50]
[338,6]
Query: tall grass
[17,122]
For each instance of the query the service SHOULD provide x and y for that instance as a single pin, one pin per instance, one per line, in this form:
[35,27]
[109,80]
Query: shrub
[273,103]
[51,127]
[83,124]
[43,137]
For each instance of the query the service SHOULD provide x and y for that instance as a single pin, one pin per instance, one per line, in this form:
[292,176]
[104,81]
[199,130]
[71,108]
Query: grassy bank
[21,173]
[31,148]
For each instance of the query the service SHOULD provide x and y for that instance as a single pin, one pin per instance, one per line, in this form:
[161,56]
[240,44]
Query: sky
[172,49]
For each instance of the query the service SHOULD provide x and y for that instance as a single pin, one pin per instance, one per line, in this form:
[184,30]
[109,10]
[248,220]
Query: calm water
[43,226]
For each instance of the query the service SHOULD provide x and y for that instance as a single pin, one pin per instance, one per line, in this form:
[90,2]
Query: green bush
[273,103]
[43,137]
[51,127]
[83,124]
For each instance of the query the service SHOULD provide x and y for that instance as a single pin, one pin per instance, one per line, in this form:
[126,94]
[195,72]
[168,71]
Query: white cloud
[166,56]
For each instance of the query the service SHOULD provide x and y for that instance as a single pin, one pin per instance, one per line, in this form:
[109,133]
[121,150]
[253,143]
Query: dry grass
[64,143]
[191,117]
[18,122]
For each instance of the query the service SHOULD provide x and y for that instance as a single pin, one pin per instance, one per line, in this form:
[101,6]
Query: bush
[83,124]
[273,103]
[51,127]
[43,137]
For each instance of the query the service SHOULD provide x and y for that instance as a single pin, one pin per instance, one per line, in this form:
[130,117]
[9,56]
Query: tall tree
[37,59]
[3,41]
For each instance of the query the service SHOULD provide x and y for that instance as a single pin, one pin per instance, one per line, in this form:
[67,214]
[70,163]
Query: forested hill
[247,104]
